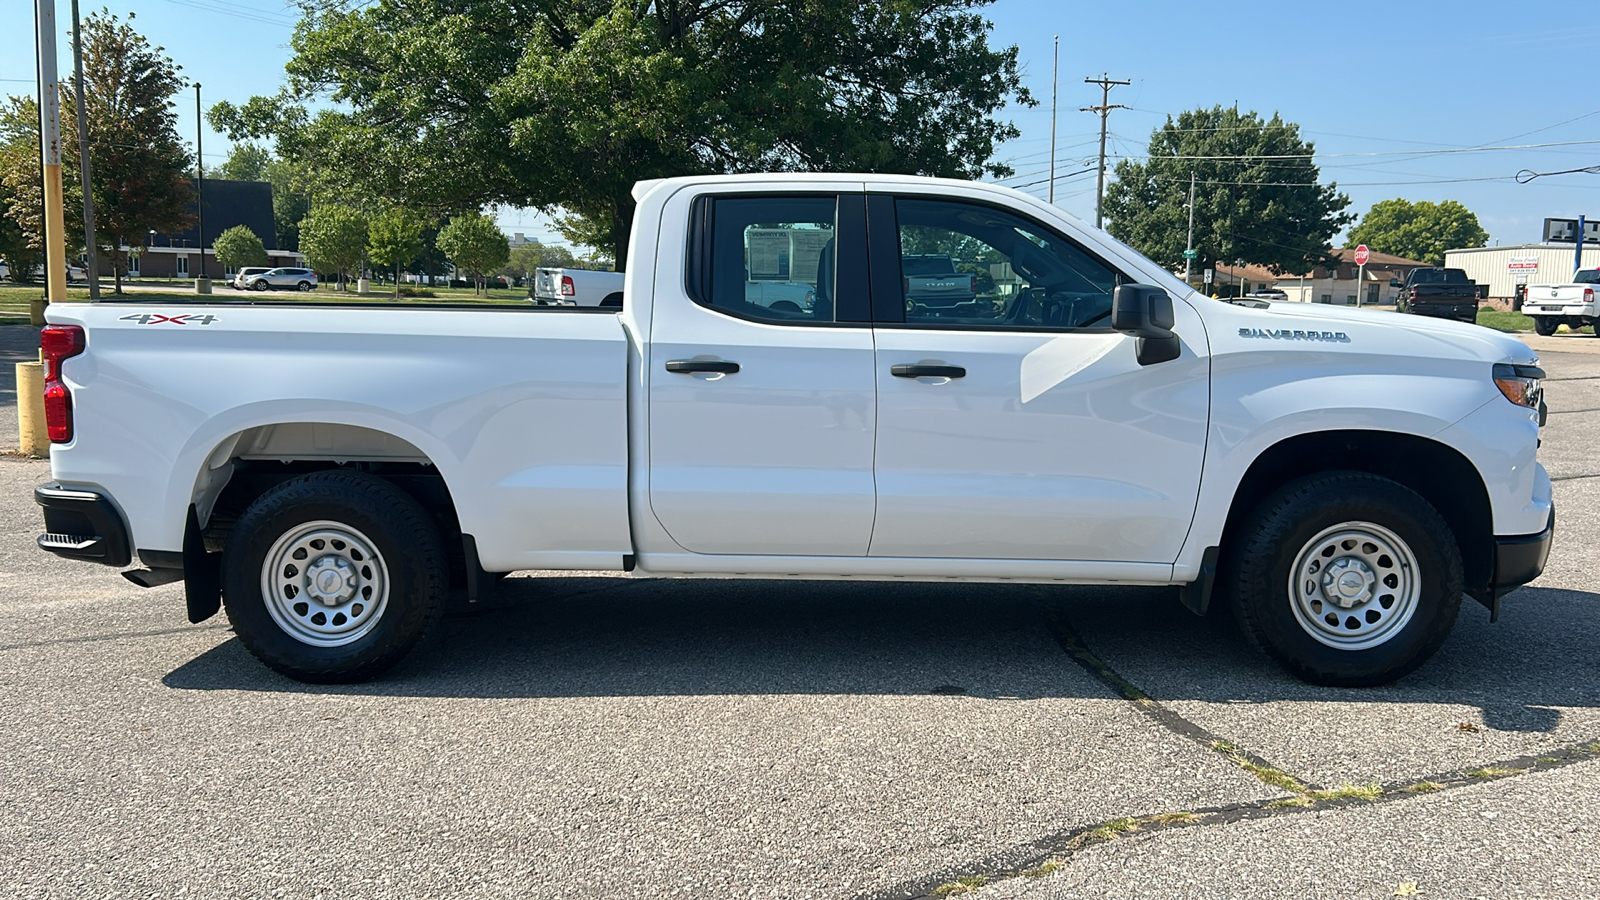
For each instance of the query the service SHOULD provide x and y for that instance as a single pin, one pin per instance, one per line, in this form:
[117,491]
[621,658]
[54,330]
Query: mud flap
[1196,595]
[202,573]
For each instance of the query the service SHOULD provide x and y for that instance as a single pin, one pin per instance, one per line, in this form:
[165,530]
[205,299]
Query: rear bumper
[1459,311]
[80,523]
[1520,559]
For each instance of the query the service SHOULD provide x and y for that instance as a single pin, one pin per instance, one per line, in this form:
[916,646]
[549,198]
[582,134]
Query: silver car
[243,276]
[284,279]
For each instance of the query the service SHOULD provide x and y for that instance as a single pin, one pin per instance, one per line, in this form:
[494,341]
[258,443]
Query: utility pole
[1189,249]
[1055,70]
[92,263]
[1577,254]
[1104,109]
[202,282]
[55,244]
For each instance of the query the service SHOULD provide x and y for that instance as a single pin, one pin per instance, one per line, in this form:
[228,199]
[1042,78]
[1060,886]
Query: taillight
[907,286]
[567,290]
[58,343]
[972,283]
[1588,295]
[1413,294]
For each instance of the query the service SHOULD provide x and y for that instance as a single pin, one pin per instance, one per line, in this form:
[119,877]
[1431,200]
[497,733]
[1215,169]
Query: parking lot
[610,737]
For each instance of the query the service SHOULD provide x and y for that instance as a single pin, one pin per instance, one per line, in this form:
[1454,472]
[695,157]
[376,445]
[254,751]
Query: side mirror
[1394,282]
[1145,312]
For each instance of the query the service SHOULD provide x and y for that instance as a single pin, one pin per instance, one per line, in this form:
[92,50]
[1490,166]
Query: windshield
[1587,276]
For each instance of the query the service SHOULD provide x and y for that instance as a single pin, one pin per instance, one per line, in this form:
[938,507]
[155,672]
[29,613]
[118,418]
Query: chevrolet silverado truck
[1573,304]
[334,474]
[1440,292]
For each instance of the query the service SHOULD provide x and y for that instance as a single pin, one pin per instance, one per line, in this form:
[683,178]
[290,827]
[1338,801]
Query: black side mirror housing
[1145,312]
[1394,282]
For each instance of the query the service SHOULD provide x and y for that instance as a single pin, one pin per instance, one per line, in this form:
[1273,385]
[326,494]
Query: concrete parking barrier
[33,438]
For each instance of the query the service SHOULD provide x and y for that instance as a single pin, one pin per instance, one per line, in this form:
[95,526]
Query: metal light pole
[1055,69]
[92,263]
[202,283]
[55,244]
[1577,252]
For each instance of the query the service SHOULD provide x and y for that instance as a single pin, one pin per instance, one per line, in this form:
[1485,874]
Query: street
[609,737]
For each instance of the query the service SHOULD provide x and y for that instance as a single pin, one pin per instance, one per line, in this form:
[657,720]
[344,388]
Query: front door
[761,390]
[1012,422]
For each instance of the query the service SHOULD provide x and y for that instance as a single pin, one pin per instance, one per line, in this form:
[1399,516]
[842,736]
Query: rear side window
[1588,276]
[767,258]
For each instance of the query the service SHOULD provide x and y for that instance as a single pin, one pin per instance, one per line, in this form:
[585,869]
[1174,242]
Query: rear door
[762,414]
[1018,425]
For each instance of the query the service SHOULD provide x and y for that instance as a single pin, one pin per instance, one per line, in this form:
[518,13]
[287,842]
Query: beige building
[1504,268]
[1343,285]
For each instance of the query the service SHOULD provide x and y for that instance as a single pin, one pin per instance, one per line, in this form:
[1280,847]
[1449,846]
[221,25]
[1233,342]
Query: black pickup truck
[1446,293]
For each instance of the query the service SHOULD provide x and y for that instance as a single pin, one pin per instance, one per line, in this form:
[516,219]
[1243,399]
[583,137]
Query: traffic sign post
[1362,255]
[1208,274]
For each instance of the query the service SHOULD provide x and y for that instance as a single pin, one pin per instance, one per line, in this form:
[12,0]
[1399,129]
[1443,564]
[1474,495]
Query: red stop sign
[1362,255]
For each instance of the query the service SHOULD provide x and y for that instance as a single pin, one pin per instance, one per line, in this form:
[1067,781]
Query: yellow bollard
[34,438]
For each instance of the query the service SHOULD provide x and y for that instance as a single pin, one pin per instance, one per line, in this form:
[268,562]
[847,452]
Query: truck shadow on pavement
[596,637]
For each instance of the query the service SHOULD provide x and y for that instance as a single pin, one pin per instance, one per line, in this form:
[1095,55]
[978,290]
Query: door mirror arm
[1145,312]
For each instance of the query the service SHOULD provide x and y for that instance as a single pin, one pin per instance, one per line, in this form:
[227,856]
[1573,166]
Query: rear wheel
[303,286]
[333,577]
[1544,325]
[1346,579]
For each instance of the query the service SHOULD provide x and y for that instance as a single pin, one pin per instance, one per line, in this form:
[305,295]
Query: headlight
[1522,385]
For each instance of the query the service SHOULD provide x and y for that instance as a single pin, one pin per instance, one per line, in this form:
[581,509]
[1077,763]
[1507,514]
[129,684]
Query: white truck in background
[577,287]
[329,472]
[1572,304]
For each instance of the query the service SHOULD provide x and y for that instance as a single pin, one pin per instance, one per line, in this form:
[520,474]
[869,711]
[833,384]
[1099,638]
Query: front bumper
[1520,559]
[80,523]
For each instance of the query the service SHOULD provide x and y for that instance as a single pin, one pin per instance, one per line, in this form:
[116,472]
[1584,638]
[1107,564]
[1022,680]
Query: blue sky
[1381,88]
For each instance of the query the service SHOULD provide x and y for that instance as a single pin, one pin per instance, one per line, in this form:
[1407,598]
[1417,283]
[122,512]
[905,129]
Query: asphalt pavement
[610,737]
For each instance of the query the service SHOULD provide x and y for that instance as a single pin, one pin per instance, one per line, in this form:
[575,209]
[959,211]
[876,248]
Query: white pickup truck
[1573,304]
[577,287]
[330,472]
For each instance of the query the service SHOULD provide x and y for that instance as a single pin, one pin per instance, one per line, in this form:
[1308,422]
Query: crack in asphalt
[1573,477]
[115,636]
[1050,853]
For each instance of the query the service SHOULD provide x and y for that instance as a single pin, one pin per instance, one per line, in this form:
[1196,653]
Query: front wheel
[1545,326]
[1346,579]
[258,286]
[333,577]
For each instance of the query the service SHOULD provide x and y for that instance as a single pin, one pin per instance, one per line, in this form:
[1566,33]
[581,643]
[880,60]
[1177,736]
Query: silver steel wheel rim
[1354,586]
[325,584]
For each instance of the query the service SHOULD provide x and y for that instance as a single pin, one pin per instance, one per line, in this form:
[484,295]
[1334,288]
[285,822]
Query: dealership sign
[1522,264]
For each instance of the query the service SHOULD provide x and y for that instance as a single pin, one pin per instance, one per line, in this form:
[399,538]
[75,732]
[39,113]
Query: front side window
[771,258]
[964,264]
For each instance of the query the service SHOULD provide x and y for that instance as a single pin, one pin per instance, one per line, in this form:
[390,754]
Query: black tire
[612,301]
[1320,511]
[258,285]
[1544,325]
[303,286]
[405,551]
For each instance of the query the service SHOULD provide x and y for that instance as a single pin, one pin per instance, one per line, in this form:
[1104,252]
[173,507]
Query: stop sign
[1362,255]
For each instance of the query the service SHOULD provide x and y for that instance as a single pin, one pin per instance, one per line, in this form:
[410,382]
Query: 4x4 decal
[184,319]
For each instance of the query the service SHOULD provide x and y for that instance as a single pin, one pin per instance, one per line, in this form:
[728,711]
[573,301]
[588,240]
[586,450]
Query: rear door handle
[913,370]
[690,366]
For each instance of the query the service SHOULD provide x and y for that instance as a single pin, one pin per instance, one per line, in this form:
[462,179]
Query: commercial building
[1506,269]
[1344,284]
[227,203]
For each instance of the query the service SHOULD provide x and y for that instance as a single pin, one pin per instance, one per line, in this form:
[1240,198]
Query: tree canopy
[239,246]
[334,239]
[394,238]
[563,106]
[1257,196]
[476,245]
[1423,230]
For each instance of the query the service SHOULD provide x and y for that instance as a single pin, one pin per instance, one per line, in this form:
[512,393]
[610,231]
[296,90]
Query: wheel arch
[1439,473]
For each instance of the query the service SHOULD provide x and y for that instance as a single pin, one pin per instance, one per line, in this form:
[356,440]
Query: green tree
[564,106]
[334,239]
[238,247]
[140,169]
[476,245]
[394,238]
[22,190]
[1257,197]
[1422,231]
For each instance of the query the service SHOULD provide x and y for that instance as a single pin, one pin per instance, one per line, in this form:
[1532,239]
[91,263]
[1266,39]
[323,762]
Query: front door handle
[691,366]
[913,370]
